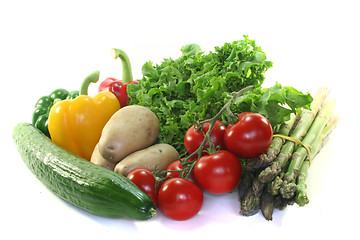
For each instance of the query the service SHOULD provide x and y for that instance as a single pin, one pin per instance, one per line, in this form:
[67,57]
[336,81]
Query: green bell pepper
[44,104]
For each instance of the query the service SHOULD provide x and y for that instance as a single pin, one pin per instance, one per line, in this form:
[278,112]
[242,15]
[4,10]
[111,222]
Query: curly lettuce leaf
[277,103]
[197,85]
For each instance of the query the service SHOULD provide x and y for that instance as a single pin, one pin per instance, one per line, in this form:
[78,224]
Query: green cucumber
[88,186]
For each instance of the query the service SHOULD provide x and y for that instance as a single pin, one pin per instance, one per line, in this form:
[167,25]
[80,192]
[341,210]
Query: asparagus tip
[288,190]
[267,205]
[250,204]
[302,199]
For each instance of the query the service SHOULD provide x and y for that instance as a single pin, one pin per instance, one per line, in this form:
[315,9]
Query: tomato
[180,199]
[218,173]
[193,138]
[250,136]
[174,166]
[144,179]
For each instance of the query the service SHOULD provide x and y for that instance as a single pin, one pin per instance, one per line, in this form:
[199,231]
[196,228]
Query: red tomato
[250,136]
[193,138]
[180,199]
[218,173]
[174,166]
[144,179]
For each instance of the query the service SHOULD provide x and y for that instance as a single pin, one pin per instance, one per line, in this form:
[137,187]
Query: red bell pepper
[118,87]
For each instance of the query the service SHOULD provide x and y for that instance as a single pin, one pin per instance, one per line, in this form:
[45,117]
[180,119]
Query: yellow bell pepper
[77,124]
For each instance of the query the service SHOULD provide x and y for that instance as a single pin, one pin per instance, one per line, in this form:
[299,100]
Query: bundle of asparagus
[277,178]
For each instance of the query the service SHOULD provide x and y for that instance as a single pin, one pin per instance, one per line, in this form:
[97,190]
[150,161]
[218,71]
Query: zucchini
[88,186]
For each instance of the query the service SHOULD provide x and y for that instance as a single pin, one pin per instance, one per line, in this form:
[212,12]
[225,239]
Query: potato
[158,155]
[97,159]
[130,129]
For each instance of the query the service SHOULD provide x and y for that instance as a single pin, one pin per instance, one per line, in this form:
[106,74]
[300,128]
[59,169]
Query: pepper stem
[92,78]
[126,66]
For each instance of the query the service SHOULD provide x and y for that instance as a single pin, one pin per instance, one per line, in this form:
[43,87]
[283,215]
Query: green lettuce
[196,85]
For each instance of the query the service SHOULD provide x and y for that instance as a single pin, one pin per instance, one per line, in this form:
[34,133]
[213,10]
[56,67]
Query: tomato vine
[189,161]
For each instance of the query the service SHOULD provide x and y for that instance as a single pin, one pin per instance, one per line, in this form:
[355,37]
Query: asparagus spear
[278,142]
[257,186]
[302,126]
[267,205]
[253,164]
[281,203]
[301,195]
[274,186]
[288,187]
[245,184]
[250,204]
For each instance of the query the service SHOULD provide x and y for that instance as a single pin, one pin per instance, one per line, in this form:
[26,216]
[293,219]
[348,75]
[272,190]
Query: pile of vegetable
[277,178]
[199,123]
[197,85]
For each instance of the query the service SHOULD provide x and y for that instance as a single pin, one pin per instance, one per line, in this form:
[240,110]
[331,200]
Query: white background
[51,44]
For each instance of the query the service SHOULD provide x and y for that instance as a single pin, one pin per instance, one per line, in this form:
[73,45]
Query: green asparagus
[287,173]
[288,187]
[274,186]
[302,126]
[278,142]
[250,204]
[281,203]
[301,195]
[257,186]
[267,205]
[245,184]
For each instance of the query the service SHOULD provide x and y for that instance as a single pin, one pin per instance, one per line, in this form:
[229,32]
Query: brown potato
[130,129]
[159,156]
[97,159]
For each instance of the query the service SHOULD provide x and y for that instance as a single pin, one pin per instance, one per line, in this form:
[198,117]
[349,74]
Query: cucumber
[88,186]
